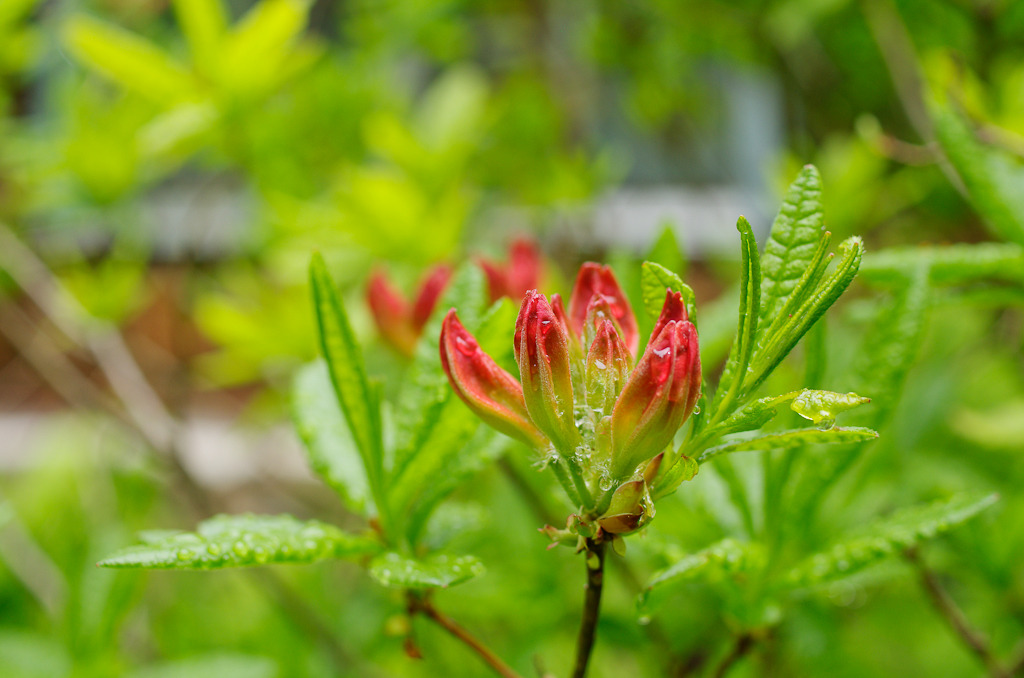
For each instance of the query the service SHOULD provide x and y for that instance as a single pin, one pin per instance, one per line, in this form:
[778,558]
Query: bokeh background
[168,168]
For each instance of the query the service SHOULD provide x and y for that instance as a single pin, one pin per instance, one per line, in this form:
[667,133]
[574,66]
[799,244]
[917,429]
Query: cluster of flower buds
[579,397]
[401,322]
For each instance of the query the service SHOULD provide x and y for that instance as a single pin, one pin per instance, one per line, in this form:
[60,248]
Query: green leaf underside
[718,561]
[655,279]
[395,570]
[242,540]
[344,358]
[886,537]
[735,370]
[787,439]
[329,446]
[791,245]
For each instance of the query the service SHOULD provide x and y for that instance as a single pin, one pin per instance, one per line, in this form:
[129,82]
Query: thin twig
[426,607]
[943,602]
[591,606]
[744,643]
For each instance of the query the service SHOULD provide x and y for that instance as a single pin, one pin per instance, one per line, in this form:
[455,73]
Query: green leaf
[254,53]
[129,60]
[822,407]
[425,387]
[746,327]
[242,540]
[654,280]
[886,537]
[777,344]
[722,560]
[666,250]
[439,570]
[345,361]
[792,243]
[204,24]
[959,264]
[320,424]
[781,440]
[994,181]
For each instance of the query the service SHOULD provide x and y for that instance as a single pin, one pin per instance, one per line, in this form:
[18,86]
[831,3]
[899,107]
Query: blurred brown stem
[743,645]
[943,602]
[425,607]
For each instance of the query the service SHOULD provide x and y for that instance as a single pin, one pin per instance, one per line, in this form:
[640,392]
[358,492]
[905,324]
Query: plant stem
[943,602]
[427,608]
[591,607]
[744,643]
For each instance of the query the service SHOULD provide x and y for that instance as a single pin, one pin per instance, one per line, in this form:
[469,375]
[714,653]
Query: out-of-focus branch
[743,645]
[943,602]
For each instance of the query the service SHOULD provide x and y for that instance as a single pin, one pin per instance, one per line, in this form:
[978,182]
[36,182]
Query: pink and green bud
[391,314]
[521,274]
[399,323]
[596,281]
[542,351]
[491,393]
[430,292]
[659,395]
[608,363]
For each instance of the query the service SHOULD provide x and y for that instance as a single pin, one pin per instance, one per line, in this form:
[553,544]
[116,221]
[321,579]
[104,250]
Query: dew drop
[241,549]
[825,424]
[213,549]
[643,620]
[186,554]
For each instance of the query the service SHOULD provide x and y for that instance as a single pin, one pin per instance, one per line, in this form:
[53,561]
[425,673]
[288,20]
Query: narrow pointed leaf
[746,327]
[959,264]
[243,540]
[344,358]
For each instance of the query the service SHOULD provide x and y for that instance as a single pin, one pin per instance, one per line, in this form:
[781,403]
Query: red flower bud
[430,292]
[657,399]
[593,281]
[521,274]
[608,363]
[391,314]
[542,351]
[493,394]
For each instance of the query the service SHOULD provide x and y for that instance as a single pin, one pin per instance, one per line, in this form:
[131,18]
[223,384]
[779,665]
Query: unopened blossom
[400,322]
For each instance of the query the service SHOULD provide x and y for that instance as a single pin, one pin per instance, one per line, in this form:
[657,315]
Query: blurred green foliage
[400,134]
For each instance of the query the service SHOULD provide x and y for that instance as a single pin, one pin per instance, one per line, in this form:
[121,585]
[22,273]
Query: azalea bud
[672,309]
[493,394]
[430,292]
[595,280]
[630,509]
[658,397]
[542,351]
[391,314]
[523,268]
[608,363]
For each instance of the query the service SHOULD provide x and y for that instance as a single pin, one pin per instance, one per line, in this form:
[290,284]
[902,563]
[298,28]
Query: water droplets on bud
[696,408]
[600,365]
[825,424]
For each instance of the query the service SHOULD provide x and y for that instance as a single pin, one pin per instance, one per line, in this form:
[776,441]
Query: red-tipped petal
[430,292]
[491,392]
[608,363]
[523,268]
[542,351]
[391,314]
[673,309]
[658,397]
[497,279]
[595,280]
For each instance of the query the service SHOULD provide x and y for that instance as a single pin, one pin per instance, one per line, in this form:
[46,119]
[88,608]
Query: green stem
[576,473]
[562,474]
